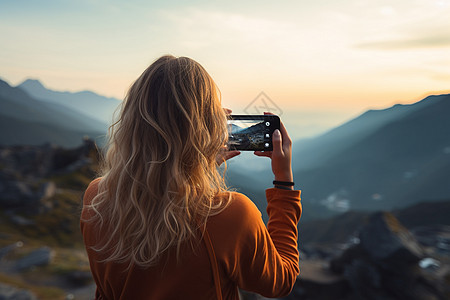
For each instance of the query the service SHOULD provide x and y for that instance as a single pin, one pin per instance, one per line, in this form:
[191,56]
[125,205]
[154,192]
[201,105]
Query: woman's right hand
[281,155]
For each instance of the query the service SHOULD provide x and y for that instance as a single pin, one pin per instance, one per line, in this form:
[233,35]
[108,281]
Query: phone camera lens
[267,145]
[267,123]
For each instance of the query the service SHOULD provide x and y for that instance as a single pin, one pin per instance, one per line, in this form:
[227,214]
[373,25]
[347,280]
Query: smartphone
[251,132]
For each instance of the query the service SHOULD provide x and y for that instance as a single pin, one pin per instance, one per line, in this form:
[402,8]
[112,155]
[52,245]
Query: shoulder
[91,191]
[87,212]
[240,207]
[240,216]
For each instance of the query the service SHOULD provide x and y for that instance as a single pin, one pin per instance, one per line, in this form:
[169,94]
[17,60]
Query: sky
[320,63]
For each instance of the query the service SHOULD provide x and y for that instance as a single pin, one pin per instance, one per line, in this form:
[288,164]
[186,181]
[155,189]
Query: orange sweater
[249,255]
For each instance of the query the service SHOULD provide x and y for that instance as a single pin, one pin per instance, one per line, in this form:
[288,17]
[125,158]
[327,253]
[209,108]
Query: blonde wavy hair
[160,178]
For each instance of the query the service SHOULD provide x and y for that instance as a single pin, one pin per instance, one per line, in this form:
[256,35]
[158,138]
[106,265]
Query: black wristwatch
[285,185]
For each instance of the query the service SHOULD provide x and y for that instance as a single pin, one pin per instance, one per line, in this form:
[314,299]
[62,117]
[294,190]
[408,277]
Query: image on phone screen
[251,132]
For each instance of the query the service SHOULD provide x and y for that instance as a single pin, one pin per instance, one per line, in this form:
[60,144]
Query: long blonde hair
[160,179]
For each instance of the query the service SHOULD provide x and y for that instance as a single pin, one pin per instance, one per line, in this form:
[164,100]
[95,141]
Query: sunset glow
[322,62]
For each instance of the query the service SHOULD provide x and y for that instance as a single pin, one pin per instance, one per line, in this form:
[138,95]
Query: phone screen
[251,132]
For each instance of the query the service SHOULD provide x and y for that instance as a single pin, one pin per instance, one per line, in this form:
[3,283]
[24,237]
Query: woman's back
[247,255]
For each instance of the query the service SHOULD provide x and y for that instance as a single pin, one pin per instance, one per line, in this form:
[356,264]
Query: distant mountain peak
[88,103]
[32,84]
[35,88]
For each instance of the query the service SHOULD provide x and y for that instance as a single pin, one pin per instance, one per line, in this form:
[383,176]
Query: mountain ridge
[85,102]
[25,118]
[358,127]
[390,158]
[400,162]
[34,83]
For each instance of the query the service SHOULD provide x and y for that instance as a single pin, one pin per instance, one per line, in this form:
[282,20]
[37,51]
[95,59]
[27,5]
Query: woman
[160,223]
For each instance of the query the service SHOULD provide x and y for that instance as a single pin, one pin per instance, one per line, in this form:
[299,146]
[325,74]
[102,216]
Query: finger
[284,133]
[223,149]
[286,138]
[282,128]
[277,142]
[227,110]
[231,154]
[263,153]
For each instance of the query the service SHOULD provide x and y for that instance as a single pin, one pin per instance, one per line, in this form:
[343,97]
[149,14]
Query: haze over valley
[383,159]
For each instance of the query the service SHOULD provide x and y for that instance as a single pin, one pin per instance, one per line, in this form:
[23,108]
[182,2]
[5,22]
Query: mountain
[340,228]
[383,159]
[25,120]
[257,128]
[234,128]
[315,150]
[88,103]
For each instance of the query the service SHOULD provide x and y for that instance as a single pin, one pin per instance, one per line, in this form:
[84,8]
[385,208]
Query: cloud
[432,41]
[199,27]
[421,24]
[441,76]
[388,11]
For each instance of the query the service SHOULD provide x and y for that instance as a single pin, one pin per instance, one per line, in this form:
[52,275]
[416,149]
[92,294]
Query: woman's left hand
[224,153]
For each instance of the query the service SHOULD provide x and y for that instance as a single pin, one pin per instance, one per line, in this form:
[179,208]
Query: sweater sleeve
[261,259]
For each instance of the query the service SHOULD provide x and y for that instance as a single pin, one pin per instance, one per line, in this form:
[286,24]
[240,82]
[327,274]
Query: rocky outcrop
[24,169]
[11,293]
[17,193]
[39,257]
[386,241]
[9,248]
[317,281]
[40,195]
[384,265]
[42,161]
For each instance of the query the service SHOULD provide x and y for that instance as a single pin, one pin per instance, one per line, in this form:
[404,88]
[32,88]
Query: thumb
[277,142]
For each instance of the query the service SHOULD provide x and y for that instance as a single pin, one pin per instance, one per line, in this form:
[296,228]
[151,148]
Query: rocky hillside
[355,256]
[384,260]
[41,250]
[342,228]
